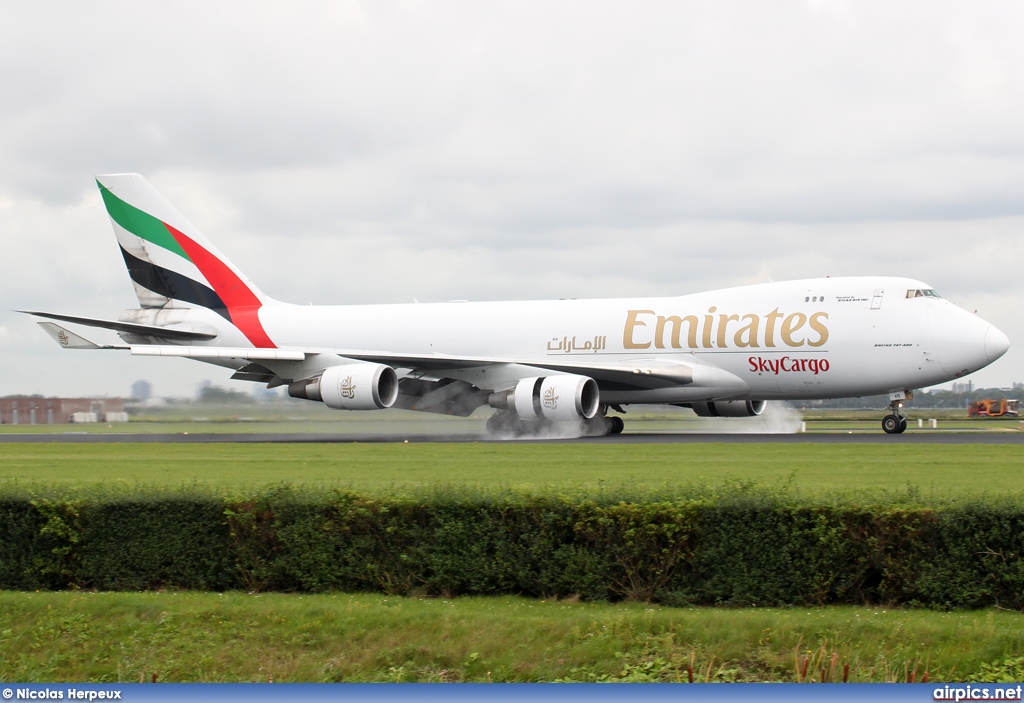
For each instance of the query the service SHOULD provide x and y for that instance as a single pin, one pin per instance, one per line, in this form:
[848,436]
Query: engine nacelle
[351,387]
[555,398]
[730,408]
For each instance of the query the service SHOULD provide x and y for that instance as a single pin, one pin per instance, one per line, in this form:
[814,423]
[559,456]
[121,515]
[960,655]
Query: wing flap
[218,352]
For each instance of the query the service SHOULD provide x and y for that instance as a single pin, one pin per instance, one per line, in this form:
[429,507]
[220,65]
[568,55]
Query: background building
[34,410]
[142,390]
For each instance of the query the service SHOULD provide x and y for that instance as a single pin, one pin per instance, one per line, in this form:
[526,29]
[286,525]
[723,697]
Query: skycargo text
[787,364]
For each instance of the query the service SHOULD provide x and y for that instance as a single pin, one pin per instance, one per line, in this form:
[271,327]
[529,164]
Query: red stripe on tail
[243,305]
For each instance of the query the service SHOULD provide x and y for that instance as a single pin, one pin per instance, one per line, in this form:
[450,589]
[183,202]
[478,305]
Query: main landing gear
[507,424]
[896,421]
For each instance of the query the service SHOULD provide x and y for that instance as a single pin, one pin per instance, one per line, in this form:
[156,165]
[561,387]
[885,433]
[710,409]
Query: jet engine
[729,408]
[554,398]
[351,387]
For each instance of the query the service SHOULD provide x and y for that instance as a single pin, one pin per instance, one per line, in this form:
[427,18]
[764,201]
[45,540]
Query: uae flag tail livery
[171,264]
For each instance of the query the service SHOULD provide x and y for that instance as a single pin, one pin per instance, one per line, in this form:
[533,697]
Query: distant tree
[931,399]
[216,394]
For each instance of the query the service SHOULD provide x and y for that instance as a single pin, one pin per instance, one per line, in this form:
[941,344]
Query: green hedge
[747,547]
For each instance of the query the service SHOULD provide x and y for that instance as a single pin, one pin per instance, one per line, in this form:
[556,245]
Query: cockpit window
[922,293]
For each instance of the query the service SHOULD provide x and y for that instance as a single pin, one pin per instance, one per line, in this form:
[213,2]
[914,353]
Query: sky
[345,152]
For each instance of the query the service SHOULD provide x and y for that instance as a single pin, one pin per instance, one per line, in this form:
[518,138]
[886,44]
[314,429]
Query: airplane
[537,364]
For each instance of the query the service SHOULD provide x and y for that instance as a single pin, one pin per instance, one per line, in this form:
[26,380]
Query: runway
[923,437]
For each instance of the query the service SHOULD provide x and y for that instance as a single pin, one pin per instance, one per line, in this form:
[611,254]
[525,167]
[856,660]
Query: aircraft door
[876,299]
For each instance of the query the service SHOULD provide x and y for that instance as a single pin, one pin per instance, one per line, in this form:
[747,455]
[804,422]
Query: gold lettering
[769,333]
[631,324]
[779,328]
[709,323]
[790,325]
[723,321]
[751,329]
[818,326]
[677,323]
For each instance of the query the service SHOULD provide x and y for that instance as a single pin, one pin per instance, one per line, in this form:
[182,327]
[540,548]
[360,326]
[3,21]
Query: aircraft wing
[129,327]
[633,373]
[628,373]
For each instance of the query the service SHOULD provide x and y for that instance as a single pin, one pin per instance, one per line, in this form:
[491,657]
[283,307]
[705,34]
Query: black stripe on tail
[173,285]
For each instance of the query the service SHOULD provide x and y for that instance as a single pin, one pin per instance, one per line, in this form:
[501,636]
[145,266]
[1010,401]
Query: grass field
[235,637]
[341,637]
[810,469]
[407,423]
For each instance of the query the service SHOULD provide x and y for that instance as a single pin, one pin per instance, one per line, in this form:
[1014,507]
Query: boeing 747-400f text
[536,363]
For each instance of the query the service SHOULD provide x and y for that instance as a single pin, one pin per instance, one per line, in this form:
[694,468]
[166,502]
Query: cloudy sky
[349,152]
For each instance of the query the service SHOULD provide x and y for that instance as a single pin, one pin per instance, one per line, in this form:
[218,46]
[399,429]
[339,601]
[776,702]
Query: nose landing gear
[896,421]
[894,424]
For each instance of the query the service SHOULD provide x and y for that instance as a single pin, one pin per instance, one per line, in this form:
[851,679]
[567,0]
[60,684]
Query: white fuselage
[820,338]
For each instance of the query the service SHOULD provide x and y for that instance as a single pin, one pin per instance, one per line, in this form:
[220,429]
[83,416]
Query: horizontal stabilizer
[69,340]
[129,327]
[218,352]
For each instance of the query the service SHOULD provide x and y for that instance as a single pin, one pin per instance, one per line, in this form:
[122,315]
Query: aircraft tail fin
[171,263]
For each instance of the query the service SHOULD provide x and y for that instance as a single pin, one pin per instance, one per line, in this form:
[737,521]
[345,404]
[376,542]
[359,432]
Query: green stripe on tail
[140,223]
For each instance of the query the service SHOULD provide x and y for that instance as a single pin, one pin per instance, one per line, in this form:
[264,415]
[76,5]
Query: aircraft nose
[964,342]
[996,343]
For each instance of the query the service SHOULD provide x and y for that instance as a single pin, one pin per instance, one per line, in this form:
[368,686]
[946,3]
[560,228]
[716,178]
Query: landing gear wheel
[505,424]
[896,421]
[893,424]
[601,425]
[495,424]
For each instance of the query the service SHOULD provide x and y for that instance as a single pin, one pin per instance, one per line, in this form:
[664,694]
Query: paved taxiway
[927,437]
